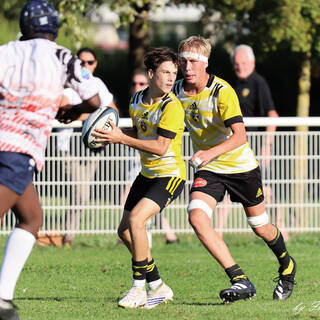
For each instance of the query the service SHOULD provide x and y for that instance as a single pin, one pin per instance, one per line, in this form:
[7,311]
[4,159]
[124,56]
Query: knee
[260,225]
[193,219]
[266,232]
[136,222]
[36,223]
[260,231]
[197,218]
[122,233]
[32,224]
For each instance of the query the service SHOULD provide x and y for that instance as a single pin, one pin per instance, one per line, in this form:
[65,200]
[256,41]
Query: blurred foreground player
[33,72]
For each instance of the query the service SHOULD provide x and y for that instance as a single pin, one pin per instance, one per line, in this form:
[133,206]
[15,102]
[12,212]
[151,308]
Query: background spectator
[77,170]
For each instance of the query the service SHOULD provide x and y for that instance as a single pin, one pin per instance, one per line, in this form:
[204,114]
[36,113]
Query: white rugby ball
[99,119]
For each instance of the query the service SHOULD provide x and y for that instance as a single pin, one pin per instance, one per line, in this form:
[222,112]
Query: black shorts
[245,187]
[161,190]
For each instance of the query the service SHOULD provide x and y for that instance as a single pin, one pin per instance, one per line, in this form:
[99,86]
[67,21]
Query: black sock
[139,269]
[152,272]
[278,247]
[235,273]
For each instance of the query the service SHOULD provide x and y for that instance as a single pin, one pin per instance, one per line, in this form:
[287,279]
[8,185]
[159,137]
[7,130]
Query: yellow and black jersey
[165,118]
[208,117]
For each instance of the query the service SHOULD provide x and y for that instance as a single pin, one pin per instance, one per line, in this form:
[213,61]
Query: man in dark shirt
[252,89]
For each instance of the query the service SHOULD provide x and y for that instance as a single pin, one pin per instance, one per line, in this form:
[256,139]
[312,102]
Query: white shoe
[134,298]
[160,295]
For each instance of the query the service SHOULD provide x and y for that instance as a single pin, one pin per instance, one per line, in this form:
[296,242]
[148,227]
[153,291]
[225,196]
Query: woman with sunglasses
[88,59]
[77,170]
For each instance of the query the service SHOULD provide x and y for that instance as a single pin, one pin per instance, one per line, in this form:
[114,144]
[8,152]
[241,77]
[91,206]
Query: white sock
[16,252]
[139,283]
[155,284]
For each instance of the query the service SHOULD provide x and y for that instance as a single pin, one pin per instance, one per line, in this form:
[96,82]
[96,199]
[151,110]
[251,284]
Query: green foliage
[128,10]
[86,280]
[294,22]
[71,14]
[9,30]
[11,8]
[269,23]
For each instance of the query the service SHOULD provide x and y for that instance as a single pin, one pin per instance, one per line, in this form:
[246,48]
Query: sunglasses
[89,62]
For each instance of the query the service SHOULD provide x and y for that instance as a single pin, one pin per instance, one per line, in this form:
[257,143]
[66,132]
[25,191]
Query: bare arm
[68,113]
[131,132]
[236,140]
[271,129]
[266,148]
[84,116]
[158,146]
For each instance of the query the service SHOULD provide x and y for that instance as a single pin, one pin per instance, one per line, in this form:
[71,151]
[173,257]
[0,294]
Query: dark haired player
[158,117]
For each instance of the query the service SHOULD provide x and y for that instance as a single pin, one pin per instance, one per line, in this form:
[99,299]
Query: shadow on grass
[201,304]
[62,299]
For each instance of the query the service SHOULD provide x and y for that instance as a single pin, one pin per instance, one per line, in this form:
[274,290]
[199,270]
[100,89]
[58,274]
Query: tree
[268,24]
[135,15]
[296,23]
[69,13]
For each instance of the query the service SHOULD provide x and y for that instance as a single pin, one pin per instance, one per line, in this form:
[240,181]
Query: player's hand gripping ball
[98,120]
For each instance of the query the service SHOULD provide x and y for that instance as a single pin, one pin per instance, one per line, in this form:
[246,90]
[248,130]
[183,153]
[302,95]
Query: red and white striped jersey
[33,74]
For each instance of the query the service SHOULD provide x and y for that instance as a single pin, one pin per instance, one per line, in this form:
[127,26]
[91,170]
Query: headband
[198,56]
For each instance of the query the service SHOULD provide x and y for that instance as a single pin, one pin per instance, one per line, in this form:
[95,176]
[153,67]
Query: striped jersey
[33,74]
[208,116]
[165,118]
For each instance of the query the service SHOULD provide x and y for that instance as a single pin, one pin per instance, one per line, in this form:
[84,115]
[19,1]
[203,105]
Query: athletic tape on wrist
[196,162]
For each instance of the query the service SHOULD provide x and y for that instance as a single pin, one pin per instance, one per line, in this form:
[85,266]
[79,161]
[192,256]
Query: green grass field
[86,280]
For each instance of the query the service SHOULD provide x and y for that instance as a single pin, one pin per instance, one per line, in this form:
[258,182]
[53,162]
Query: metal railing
[82,192]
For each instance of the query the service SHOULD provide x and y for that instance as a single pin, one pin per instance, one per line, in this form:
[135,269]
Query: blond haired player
[224,162]
[158,121]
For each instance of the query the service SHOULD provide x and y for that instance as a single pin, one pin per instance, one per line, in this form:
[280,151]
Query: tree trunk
[301,145]
[139,42]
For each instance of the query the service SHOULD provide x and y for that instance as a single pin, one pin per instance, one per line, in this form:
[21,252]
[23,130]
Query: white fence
[82,192]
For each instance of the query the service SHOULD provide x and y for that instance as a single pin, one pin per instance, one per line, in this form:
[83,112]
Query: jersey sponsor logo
[245,92]
[199,182]
[142,122]
[194,111]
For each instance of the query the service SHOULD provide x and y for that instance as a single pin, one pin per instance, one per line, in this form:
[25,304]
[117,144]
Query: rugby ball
[99,119]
